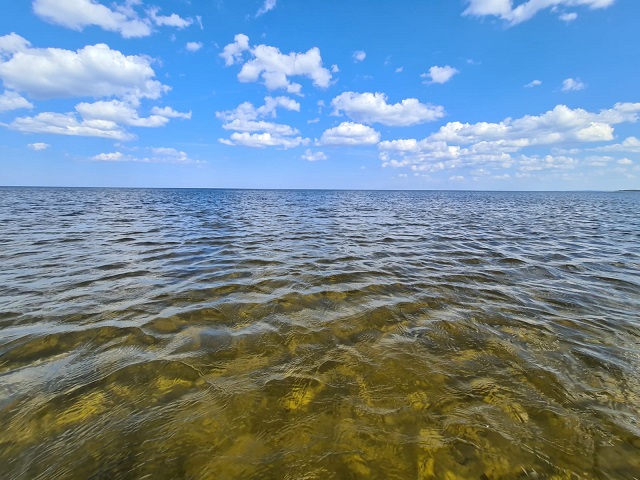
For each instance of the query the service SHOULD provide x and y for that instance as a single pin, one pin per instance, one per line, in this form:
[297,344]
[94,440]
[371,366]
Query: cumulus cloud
[232,53]
[534,83]
[457,144]
[13,101]
[173,20]
[193,46]
[373,108]
[122,18]
[350,134]
[571,84]
[39,146]
[92,71]
[104,119]
[628,145]
[118,112]
[313,156]
[505,10]
[169,112]
[274,67]
[68,124]
[156,155]
[246,110]
[268,5]
[11,44]
[258,133]
[262,140]
[359,56]
[440,74]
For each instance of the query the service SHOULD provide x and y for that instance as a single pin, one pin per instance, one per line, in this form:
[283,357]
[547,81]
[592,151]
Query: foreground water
[314,335]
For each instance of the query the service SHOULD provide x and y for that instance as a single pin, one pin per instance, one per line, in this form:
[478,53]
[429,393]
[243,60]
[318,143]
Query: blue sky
[429,94]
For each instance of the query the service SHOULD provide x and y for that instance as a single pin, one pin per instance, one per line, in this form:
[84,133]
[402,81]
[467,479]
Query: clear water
[319,334]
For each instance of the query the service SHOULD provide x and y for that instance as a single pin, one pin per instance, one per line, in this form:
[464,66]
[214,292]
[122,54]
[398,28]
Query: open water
[167,334]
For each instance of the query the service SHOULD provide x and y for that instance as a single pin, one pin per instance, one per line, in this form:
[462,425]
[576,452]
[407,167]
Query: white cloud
[571,84]
[92,71]
[118,112]
[274,67]
[173,20]
[105,119]
[38,146]
[268,5]
[568,17]
[349,133]
[260,126]
[169,112]
[259,133]
[628,145]
[246,110]
[121,18]
[13,101]
[108,157]
[440,74]
[373,108]
[11,44]
[534,83]
[77,14]
[399,69]
[68,124]
[156,155]
[313,156]
[232,53]
[526,10]
[194,46]
[359,56]
[262,140]
[334,69]
[457,144]
[625,161]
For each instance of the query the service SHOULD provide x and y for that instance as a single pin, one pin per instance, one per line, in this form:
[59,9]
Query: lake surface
[164,334]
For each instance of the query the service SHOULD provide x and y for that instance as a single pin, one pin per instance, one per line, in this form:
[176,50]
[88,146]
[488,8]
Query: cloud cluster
[251,130]
[350,134]
[122,18]
[457,144]
[156,155]
[69,124]
[92,71]
[310,156]
[373,108]
[274,67]
[103,119]
[505,10]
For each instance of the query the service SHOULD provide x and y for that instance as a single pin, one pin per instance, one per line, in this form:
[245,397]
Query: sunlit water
[166,334]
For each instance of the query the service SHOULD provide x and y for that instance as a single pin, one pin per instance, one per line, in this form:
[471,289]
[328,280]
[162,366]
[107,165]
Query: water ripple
[319,334]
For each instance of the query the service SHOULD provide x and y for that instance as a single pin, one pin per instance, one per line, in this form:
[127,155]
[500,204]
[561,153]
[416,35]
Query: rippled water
[319,334]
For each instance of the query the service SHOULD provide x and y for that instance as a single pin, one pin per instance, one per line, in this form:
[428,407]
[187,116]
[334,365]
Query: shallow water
[319,334]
